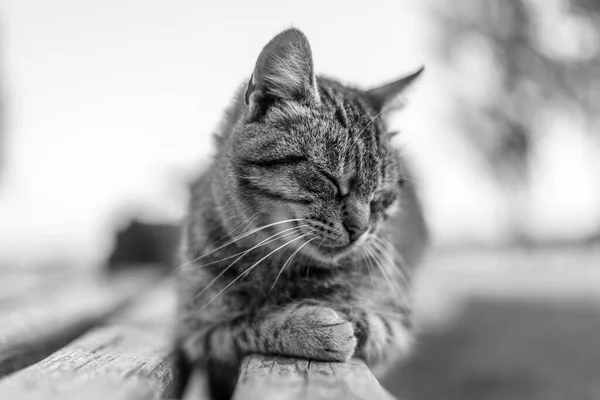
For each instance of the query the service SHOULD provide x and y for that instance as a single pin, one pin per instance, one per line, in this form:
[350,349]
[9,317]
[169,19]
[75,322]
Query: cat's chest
[296,285]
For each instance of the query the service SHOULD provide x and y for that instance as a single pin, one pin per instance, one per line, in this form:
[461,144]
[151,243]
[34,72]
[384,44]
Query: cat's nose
[356,231]
[355,216]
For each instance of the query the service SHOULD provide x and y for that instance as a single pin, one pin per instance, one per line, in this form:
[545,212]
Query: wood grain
[38,322]
[128,359]
[266,378]
[116,362]
[131,356]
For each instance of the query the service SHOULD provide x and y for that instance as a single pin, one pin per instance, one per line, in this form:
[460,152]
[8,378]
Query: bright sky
[111,105]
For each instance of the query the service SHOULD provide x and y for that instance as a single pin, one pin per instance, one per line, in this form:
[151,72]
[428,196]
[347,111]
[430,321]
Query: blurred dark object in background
[537,61]
[145,244]
[594,240]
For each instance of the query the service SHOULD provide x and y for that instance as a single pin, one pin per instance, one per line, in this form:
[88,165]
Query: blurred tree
[533,56]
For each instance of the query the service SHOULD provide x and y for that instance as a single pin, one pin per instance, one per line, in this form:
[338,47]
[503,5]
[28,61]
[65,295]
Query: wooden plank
[116,362]
[129,359]
[266,377]
[47,319]
[155,307]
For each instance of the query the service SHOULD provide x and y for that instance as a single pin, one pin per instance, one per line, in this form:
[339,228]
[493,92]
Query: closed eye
[382,200]
[333,181]
[303,164]
[291,159]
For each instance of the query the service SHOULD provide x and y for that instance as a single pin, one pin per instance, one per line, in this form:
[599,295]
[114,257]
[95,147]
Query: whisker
[249,269]
[392,314]
[244,177]
[288,261]
[398,272]
[264,242]
[365,256]
[387,245]
[248,221]
[357,137]
[255,230]
[423,305]
[382,249]
[378,263]
[244,254]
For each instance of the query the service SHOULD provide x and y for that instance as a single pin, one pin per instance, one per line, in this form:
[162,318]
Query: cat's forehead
[340,138]
[338,122]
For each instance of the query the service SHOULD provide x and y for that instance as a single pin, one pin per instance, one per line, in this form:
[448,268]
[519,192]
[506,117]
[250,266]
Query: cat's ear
[284,70]
[388,97]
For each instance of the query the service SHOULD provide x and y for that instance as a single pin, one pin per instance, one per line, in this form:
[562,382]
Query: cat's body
[302,234]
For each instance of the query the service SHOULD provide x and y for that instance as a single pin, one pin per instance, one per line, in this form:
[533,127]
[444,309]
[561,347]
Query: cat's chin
[330,254]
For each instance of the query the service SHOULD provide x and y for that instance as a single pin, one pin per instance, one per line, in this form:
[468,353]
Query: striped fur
[311,151]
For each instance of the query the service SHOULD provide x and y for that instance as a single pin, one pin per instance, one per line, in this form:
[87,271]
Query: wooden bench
[99,338]
[490,324]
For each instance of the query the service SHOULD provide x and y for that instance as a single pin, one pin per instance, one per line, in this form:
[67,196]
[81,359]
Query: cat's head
[315,153]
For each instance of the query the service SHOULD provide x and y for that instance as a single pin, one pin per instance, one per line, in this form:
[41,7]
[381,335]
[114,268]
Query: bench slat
[130,359]
[265,377]
[116,362]
[44,320]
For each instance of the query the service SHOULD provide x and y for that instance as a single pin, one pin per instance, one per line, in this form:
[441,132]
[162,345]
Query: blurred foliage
[534,57]
[529,76]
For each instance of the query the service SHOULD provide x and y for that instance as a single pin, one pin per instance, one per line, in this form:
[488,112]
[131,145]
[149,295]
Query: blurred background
[107,111]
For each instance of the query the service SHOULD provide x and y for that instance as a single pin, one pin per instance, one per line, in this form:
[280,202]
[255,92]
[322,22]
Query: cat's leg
[383,338]
[305,329]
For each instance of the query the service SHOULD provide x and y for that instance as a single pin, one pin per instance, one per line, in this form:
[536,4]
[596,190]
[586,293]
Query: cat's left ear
[388,97]
[284,70]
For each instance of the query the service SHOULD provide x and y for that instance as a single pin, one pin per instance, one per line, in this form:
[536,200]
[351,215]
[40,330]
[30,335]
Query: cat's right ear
[284,70]
[388,97]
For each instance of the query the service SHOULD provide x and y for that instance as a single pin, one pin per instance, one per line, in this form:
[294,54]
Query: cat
[303,233]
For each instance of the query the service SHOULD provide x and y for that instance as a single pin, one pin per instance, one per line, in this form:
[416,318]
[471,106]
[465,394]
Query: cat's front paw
[320,333]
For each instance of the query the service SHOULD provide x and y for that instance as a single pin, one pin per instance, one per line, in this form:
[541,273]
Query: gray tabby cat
[302,234]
